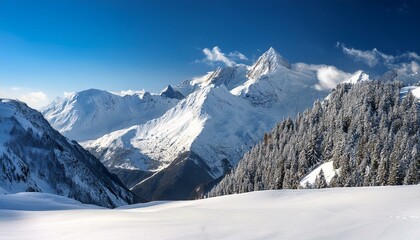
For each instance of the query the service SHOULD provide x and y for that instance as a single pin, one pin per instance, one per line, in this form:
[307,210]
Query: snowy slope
[92,113]
[36,158]
[35,201]
[342,213]
[230,77]
[358,76]
[328,170]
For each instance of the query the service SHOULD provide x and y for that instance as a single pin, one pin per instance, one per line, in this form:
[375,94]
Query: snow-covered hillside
[214,120]
[92,113]
[36,158]
[340,213]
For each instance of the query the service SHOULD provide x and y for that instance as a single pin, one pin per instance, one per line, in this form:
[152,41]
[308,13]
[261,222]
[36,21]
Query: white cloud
[414,67]
[35,100]
[375,57]
[237,56]
[329,77]
[409,69]
[412,55]
[216,55]
[370,57]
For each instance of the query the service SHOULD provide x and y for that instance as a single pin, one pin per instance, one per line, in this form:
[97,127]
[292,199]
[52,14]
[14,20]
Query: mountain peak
[270,61]
[170,92]
[273,56]
[358,76]
[271,51]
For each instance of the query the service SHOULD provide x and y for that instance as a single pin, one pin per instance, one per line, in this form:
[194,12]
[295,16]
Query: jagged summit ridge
[267,63]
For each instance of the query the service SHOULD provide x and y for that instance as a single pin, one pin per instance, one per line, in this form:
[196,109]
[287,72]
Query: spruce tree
[320,181]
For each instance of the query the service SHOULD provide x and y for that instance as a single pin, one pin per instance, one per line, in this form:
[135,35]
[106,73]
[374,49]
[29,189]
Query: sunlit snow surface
[328,170]
[341,213]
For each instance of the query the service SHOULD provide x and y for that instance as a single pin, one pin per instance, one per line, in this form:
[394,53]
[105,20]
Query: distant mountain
[169,92]
[92,113]
[365,134]
[36,158]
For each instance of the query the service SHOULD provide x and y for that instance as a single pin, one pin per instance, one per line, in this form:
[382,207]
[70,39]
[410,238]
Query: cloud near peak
[370,57]
[215,55]
[329,77]
[34,99]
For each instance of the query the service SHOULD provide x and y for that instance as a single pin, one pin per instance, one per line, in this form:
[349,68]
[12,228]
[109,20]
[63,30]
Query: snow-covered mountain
[213,120]
[92,113]
[358,76]
[36,158]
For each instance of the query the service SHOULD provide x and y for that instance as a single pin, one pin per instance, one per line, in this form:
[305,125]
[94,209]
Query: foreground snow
[346,213]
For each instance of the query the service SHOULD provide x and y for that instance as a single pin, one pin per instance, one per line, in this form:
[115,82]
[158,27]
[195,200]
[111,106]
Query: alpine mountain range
[177,144]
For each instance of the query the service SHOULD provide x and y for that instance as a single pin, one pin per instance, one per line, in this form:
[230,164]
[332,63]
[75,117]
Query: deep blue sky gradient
[56,46]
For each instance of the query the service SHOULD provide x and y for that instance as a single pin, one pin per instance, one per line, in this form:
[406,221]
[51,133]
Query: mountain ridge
[36,158]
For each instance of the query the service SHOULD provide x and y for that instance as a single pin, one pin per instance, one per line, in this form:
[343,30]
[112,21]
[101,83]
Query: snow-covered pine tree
[320,181]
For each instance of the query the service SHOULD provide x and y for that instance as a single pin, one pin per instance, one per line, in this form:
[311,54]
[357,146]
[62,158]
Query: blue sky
[52,47]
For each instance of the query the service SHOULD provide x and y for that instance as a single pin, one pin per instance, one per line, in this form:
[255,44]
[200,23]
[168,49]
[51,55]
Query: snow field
[341,213]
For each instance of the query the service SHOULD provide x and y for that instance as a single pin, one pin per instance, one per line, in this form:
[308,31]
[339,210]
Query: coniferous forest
[369,130]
